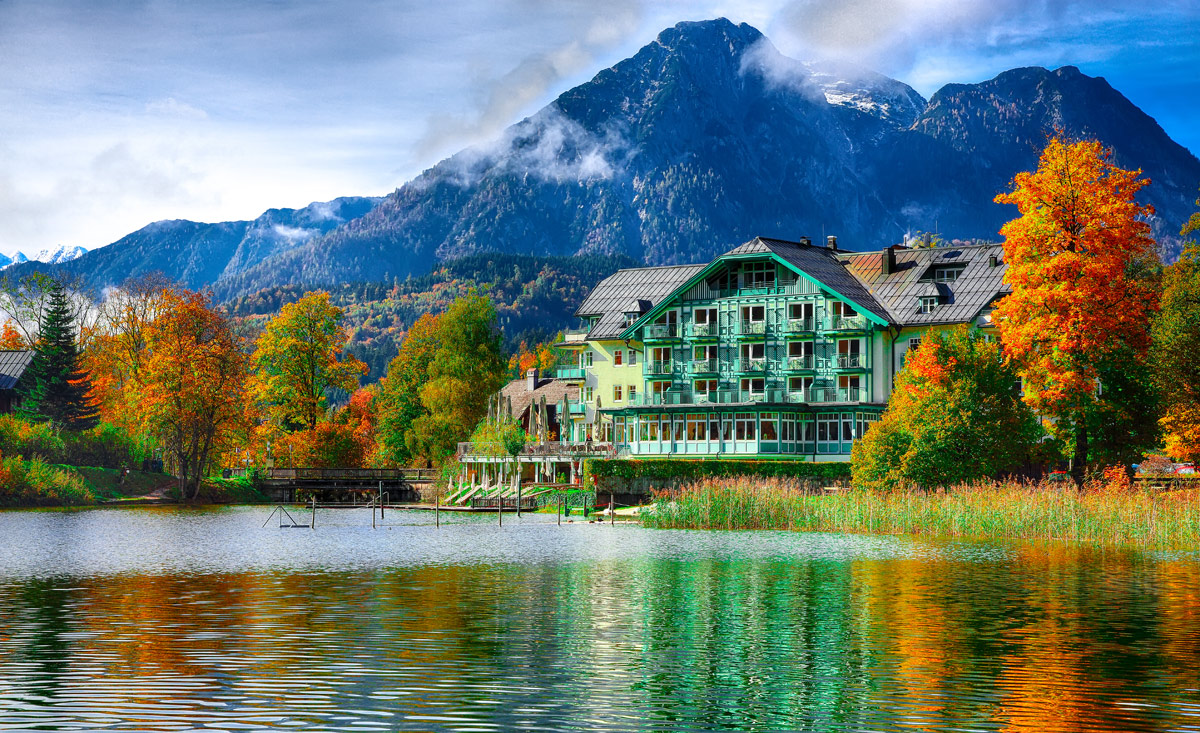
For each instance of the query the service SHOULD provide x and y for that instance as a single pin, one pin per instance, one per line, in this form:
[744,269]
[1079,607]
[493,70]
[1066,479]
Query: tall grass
[1099,513]
[36,483]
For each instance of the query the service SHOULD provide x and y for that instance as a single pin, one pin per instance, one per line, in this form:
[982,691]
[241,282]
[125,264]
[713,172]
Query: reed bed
[984,510]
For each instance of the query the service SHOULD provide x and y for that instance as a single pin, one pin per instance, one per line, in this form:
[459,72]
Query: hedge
[664,469]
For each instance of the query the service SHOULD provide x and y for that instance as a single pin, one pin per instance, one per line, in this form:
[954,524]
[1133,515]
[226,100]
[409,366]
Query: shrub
[36,483]
[105,445]
[28,439]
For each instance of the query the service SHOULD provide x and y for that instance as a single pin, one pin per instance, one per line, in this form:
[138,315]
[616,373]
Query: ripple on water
[182,619]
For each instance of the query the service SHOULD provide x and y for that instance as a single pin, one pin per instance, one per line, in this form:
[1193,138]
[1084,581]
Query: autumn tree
[467,368]
[194,376]
[11,339]
[1176,337]
[542,357]
[399,400]
[55,387]
[1076,260]
[299,361]
[117,342]
[954,415]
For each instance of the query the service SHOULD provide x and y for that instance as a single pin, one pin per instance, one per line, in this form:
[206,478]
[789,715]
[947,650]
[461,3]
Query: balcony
[703,330]
[807,362]
[704,366]
[850,361]
[752,329]
[570,373]
[660,331]
[745,366]
[658,368]
[846,323]
[834,395]
[576,408]
[800,325]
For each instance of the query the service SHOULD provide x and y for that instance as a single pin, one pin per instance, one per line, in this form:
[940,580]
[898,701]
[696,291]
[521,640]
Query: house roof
[552,389]
[12,365]
[819,263]
[641,287]
[961,300]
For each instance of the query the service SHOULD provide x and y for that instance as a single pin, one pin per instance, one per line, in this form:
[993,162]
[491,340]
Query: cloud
[171,107]
[500,99]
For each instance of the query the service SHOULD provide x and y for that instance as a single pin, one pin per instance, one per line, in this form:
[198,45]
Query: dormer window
[944,273]
[927,304]
[758,275]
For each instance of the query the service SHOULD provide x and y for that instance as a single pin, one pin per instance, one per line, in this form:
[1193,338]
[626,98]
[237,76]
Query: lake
[174,619]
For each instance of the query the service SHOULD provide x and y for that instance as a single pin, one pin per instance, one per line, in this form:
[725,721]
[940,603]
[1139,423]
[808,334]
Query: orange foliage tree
[193,375]
[541,357]
[11,339]
[1074,257]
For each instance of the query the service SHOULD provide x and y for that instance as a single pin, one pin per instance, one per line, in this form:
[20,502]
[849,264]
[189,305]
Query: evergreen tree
[55,388]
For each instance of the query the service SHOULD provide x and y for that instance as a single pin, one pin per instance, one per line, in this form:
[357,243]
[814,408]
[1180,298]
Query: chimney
[831,242]
[927,240]
[805,241]
[889,261]
[993,261]
[531,379]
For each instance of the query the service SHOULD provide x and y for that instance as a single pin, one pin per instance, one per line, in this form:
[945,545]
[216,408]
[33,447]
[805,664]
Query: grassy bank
[986,510]
[36,483]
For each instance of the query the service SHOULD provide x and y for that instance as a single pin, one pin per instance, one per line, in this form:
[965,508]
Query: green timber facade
[773,350]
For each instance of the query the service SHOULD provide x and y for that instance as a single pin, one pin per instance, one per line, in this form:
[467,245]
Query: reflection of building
[774,349]
[12,367]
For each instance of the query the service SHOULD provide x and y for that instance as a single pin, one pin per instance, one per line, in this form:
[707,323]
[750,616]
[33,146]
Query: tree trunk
[1079,462]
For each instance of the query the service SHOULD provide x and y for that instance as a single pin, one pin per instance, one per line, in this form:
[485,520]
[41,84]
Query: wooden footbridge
[348,485]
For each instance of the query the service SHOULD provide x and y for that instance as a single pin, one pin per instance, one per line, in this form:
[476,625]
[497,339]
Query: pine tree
[55,388]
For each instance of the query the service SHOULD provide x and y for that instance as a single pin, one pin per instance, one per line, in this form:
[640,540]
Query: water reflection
[584,627]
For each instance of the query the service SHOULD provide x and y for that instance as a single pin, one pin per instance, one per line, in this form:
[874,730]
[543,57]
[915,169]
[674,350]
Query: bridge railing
[380,474]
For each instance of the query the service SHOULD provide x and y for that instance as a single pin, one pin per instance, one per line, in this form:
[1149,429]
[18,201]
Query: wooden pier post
[381,501]
[437,510]
[612,511]
[313,523]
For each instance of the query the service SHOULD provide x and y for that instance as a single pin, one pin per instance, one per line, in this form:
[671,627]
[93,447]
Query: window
[944,273]
[704,353]
[758,274]
[787,428]
[800,348]
[864,421]
[745,426]
[705,316]
[618,429]
[632,357]
[827,427]
[769,426]
[849,388]
[754,313]
[714,427]
[588,354]
[632,392]
[927,304]
[679,428]
[616,393]
[617,357]
[800,386]
[588,394]
[706,387]
[753,351]
[695,427]
[808,430]
[753,388]
[847,427]
[800,311]
[842,310]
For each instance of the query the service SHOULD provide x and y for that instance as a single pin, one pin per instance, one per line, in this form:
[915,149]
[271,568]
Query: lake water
[180,619]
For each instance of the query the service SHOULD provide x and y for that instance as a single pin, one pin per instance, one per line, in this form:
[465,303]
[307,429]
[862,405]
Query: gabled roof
[621,291]
[821,264]
[12,365]
[818,264]
[552,389]
[961,300]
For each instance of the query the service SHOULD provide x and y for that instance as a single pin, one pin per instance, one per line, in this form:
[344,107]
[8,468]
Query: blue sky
[117,114]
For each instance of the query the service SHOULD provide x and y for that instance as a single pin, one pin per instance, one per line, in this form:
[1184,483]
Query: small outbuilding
[13,364]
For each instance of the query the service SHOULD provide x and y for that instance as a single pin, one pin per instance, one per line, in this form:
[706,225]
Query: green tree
[955,415]
[55,388]
[1176,336]
[399,400]
[467,368]
[299,362]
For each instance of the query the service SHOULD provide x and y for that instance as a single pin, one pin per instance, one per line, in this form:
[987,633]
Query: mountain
[706,137]
[199,254]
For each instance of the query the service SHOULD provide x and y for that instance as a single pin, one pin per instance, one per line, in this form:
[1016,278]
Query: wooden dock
[348,486]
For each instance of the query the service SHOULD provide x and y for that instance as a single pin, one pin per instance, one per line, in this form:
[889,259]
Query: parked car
[1184,469]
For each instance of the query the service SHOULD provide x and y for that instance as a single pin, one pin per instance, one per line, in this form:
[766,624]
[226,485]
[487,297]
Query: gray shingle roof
[961,300]
[821,264]
[12,365]
[620,291]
